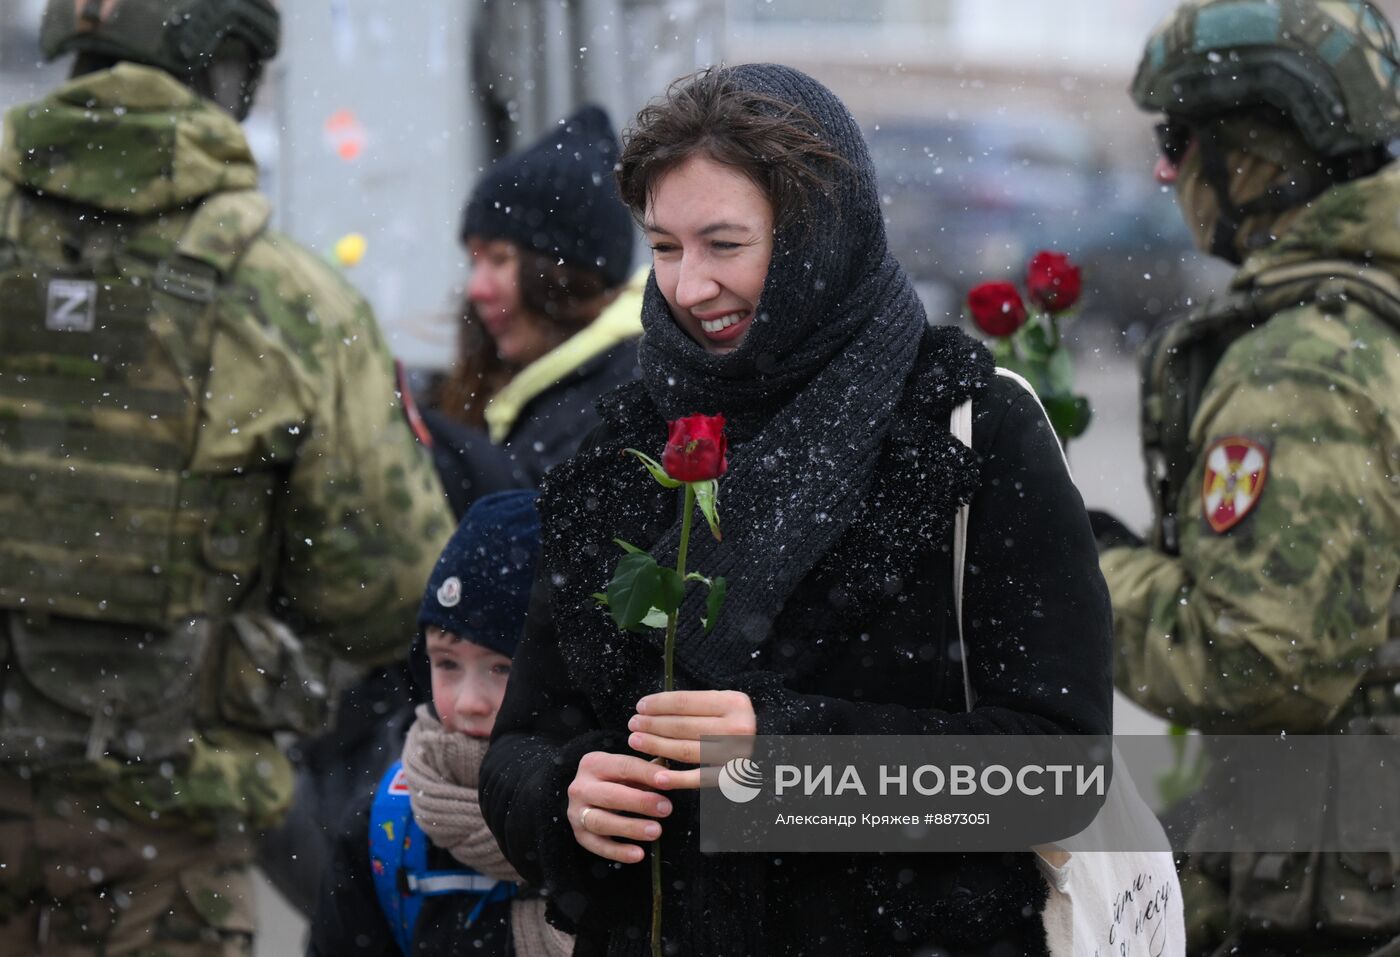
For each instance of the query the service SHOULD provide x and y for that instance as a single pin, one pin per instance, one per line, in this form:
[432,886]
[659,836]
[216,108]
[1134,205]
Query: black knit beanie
[559,197]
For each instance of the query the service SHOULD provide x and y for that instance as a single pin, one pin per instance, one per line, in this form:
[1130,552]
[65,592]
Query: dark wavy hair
[776,144]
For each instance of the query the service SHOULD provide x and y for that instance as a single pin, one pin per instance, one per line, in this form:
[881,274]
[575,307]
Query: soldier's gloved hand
[1109,532]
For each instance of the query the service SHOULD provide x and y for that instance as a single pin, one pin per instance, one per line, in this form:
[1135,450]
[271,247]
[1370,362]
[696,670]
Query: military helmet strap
[1229,217]
[1303,184]
[90,15]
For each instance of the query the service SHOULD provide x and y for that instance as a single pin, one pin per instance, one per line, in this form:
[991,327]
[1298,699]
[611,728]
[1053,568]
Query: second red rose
[997,308]
[1053,281]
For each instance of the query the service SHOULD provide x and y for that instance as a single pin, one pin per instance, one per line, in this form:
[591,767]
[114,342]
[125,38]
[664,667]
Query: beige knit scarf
[442,769]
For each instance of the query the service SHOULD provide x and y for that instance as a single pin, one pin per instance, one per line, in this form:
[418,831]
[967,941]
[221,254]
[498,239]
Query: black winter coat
[468,464]
[554,423]
[548,430]
[349,921]
[861,647]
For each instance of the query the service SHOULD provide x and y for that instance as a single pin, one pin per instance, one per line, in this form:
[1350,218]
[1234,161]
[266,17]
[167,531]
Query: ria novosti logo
[740,780]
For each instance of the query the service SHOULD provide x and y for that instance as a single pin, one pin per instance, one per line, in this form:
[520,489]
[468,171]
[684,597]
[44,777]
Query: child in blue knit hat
[417,871]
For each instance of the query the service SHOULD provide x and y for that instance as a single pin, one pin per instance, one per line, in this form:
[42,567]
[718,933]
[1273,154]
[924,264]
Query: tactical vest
[1179,358]
[1289,894]
[121,569]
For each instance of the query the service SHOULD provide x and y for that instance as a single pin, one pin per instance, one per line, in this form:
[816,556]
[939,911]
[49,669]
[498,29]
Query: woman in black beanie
[774,300]
[551,249]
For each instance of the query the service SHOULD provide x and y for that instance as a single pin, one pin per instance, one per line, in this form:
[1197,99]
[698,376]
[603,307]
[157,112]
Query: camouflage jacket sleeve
[1268,622]
[364,516]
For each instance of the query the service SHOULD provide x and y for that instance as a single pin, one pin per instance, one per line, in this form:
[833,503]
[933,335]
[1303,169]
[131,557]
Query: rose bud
[997,308]
[1052,281]
[696,448]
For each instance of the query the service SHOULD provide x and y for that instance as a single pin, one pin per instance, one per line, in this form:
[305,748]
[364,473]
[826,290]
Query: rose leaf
[714,602]
[635,586]
[654,467]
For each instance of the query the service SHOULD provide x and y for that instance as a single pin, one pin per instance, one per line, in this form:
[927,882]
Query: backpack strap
[1325,281]
[223,227]
[9,212]
[219,231]
[11,215]
[390,835]
[398,851]
[960,425]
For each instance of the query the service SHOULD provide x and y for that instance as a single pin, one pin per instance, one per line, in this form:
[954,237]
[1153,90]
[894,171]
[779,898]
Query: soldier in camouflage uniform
[212,505]
[1265,600]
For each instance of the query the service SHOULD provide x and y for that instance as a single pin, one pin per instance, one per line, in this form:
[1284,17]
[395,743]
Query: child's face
[469,681]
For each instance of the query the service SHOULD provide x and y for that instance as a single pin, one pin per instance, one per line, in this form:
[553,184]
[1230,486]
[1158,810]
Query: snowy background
[999,127]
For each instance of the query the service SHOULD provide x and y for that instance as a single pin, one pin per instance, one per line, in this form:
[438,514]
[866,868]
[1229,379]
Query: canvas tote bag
[1101,903]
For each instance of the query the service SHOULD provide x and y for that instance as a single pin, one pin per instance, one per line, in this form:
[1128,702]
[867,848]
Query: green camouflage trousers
[78,880]
[1299,905]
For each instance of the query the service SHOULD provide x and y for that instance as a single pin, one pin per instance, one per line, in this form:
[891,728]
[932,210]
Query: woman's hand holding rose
[605,785]
[609,789]
[671,724]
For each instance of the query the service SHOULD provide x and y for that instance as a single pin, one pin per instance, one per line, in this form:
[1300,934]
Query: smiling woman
[774,301]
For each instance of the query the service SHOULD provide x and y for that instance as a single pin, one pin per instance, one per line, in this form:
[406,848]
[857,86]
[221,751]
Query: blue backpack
[398,857]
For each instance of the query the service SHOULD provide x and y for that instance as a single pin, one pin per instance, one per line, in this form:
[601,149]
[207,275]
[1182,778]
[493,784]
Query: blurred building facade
[386,114]
[377,118]
[999,128]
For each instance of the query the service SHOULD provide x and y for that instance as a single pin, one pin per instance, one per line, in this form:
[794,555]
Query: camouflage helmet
[1330,65]
[180,36]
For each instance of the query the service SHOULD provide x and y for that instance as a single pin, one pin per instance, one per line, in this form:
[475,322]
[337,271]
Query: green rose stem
[1052,335]
[642,594]
[669,656]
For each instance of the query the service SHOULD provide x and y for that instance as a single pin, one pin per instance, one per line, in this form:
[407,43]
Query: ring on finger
[583,817]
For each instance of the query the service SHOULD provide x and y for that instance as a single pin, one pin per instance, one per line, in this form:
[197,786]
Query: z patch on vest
[1234,481]
[72,305]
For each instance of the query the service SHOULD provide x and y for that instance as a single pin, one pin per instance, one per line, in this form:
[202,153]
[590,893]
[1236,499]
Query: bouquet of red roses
[1029,341]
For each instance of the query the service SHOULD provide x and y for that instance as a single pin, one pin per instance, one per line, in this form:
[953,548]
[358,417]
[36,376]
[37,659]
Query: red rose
[997,308]
[1053,281]
[696,449]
